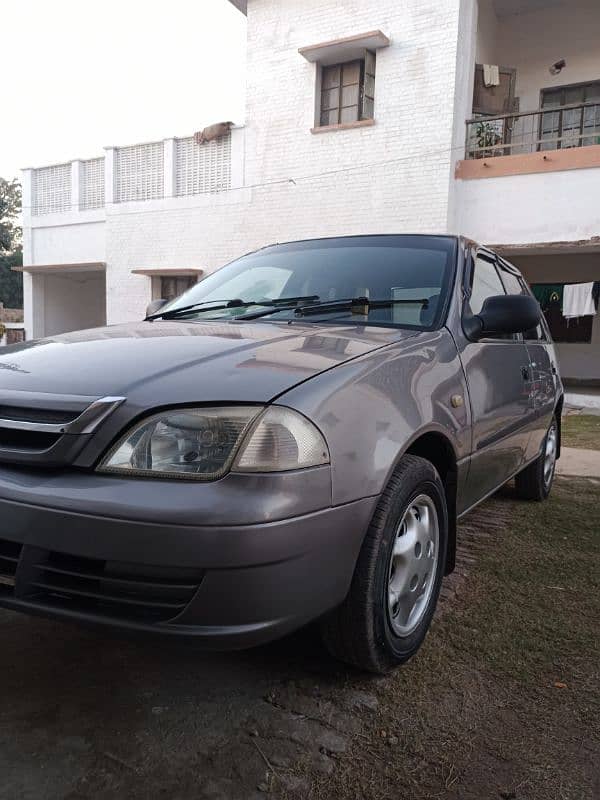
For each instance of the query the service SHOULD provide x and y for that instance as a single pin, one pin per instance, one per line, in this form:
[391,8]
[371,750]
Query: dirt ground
[502,702]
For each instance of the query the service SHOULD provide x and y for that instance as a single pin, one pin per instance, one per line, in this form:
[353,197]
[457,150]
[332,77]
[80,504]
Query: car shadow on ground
[88,713]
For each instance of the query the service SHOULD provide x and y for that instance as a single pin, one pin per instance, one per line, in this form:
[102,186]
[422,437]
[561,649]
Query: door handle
[525,373]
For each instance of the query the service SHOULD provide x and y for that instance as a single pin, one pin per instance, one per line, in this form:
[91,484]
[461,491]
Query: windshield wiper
[275,306]
[357,305]
[222,305]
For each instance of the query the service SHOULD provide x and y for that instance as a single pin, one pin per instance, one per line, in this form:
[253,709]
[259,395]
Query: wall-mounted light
[558,67]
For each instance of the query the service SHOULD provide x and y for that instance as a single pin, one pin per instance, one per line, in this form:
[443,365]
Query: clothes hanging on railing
[491,75]
[548,293]
[578,300]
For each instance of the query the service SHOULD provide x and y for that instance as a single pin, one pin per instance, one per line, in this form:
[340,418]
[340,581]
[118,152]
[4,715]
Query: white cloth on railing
[491,75]
[578,301]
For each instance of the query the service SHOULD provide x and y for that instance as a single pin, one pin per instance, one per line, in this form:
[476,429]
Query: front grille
[41,415]
[10,553]
[27,441]
[110,589]
[49,430]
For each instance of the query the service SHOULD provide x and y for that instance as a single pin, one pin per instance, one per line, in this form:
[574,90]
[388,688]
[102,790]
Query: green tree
[11,283]
[11,254]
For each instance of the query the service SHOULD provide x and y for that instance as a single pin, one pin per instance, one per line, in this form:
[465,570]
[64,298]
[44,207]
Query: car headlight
[204,443]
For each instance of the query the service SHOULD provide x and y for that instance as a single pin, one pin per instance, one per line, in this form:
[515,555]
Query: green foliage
[11,255]
[10,208]
[487,136]
[11,283]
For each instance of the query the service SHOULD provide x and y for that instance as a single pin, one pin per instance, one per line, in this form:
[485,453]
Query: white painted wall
[463,95]
[73,302]
[532,42]
[392,177]
[288,183]
[581,361]
[74,238]
[487,34]
[525,209]
[69,242]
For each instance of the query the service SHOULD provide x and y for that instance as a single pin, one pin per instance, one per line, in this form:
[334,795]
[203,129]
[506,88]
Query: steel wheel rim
[550,455]
[413,565]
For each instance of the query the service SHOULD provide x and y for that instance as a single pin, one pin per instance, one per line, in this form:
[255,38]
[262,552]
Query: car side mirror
[502,315]
[155,306]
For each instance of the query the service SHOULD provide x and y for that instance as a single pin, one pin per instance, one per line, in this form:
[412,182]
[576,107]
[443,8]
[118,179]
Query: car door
[544,371]
[499,379]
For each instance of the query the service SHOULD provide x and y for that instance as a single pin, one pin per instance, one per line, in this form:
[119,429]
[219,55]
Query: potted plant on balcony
[488,137]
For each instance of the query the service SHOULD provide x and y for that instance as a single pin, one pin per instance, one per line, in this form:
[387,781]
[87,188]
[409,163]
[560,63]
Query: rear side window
[516,285]
[511,282]
[486,283]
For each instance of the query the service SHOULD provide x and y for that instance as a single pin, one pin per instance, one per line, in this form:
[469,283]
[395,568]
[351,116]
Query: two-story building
[473,116]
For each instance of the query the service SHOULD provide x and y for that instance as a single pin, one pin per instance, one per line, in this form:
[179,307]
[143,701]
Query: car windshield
[415,269]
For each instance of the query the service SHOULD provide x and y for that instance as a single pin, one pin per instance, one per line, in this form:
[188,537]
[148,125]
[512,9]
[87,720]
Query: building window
[348,91]
[168,287]
[575,126]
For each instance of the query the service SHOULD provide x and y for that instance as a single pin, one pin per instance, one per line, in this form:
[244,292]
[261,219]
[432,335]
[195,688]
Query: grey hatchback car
[291,440]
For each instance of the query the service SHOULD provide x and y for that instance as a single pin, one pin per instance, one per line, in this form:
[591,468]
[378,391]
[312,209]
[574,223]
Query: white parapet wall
[528,209]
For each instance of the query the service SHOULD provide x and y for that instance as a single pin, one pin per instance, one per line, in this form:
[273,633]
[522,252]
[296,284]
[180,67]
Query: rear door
[544,370]
[499,378]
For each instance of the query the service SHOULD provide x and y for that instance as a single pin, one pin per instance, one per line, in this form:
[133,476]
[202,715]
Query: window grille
[202,168]
[91,184]
[51,189]
[139,172]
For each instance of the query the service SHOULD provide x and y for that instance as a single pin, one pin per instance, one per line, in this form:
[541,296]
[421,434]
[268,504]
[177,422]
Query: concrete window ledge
[346,49]
[344,126]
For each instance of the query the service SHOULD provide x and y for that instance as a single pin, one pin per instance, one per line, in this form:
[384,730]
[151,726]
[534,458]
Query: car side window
[516,285]
[485,282]
[511,282]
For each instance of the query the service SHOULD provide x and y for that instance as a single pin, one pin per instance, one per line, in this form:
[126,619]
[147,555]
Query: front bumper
[227,585]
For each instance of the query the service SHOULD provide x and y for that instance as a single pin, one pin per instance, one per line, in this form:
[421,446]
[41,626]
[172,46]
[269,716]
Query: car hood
[157,363]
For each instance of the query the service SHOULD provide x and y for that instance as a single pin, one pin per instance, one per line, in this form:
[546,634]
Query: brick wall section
[414,110]
[13,315]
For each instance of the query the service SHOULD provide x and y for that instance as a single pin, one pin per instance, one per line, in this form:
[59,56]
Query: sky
[80,75]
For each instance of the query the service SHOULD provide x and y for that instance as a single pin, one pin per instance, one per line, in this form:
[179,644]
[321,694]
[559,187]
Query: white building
[376,145]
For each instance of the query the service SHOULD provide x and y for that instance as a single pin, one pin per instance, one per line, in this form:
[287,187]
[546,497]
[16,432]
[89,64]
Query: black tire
[533,483]
[360,631]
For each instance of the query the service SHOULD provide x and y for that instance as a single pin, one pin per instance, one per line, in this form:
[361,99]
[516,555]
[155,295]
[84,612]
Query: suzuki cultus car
[291,440]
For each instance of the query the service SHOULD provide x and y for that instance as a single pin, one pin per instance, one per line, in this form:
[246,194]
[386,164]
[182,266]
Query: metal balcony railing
[559,128]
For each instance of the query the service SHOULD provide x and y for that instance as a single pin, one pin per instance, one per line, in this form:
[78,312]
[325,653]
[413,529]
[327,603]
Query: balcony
[561,128]
[172,168]
[529,172]
[549,140]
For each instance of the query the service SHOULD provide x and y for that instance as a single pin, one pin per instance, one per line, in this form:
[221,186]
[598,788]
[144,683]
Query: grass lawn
[503,701]
[581,431]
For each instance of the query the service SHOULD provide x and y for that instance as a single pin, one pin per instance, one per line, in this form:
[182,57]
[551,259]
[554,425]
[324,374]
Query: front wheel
[535,482]
[396,583]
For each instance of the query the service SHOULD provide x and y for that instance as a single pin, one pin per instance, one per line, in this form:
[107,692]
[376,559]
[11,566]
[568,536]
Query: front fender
[371,409]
